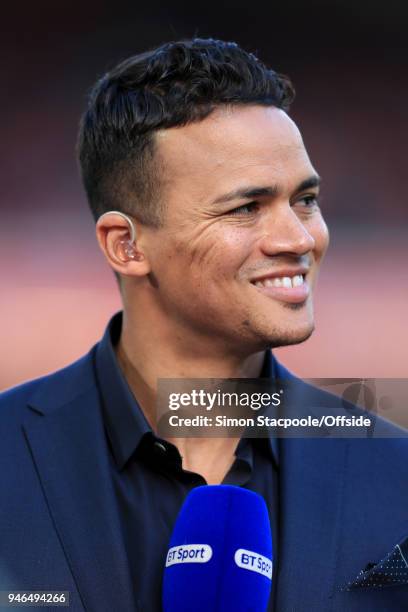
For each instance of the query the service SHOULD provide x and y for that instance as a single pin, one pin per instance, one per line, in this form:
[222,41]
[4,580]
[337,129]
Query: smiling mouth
[287,282]
[293,289]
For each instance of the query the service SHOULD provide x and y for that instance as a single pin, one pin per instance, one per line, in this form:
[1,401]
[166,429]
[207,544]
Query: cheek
[217,251]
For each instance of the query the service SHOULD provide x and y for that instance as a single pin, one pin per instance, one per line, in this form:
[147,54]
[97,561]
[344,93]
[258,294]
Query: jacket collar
[65,433]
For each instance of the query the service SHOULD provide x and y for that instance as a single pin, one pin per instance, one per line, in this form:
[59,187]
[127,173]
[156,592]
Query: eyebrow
[248,193]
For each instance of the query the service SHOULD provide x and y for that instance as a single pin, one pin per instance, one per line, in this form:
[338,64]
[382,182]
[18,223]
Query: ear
[114,232]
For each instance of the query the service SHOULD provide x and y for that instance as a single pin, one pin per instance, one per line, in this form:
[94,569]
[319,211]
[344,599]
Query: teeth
[285,281]
[270,282]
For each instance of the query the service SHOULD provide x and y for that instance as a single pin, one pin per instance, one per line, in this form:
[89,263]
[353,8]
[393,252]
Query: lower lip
[290,295]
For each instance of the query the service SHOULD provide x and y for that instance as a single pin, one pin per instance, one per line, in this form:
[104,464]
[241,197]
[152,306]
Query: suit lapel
[311,496]
[69,449]
[312,476]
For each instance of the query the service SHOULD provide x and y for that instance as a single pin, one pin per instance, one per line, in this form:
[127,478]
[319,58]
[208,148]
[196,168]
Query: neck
[145,357]
[148,351]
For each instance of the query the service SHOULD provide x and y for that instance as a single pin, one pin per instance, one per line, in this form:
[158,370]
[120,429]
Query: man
[206,208]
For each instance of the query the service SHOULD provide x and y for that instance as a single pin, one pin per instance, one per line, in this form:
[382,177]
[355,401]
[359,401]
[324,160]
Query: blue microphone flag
[220,553]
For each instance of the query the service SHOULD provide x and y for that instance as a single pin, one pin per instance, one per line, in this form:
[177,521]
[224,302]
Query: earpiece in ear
[128,246]
[128,249]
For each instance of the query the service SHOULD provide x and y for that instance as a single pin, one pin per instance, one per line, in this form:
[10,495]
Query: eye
[309,201]
[245,209]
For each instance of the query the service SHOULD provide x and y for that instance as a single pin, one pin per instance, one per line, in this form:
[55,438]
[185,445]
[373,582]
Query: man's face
[237,257]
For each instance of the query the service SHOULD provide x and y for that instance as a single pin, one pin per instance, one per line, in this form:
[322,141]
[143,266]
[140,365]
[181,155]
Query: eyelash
[246,209]
[240,209]
[310,200]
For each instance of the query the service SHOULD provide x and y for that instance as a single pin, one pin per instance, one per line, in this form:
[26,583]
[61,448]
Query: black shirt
[149,480]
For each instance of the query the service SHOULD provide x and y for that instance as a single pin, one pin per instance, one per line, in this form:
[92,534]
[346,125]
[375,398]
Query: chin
[290,336]
[291,328]
[289,331]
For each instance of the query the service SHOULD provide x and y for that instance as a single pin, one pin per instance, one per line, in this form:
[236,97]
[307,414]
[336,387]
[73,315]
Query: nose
[285,232]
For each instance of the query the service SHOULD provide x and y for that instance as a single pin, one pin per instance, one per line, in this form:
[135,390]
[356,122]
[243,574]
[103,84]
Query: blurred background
[348,61]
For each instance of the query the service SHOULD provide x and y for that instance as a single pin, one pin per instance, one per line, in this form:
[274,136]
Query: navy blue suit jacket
[343,504]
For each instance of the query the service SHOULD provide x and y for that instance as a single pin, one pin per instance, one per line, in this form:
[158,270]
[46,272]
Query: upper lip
[281,273]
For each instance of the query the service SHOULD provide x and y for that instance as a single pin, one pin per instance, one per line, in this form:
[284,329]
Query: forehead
[233,144]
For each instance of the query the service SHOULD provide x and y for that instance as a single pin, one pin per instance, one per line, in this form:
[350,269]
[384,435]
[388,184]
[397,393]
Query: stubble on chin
[278,337]
[294,306]
[290,339]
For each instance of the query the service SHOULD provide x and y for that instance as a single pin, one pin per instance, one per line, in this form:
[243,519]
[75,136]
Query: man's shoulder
[59,387]
[387,435]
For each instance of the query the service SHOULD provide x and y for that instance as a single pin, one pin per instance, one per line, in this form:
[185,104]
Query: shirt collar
[124,420]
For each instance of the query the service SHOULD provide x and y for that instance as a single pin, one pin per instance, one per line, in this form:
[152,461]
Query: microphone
[220,553]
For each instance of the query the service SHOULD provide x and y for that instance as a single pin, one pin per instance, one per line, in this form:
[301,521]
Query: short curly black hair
[173,85]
